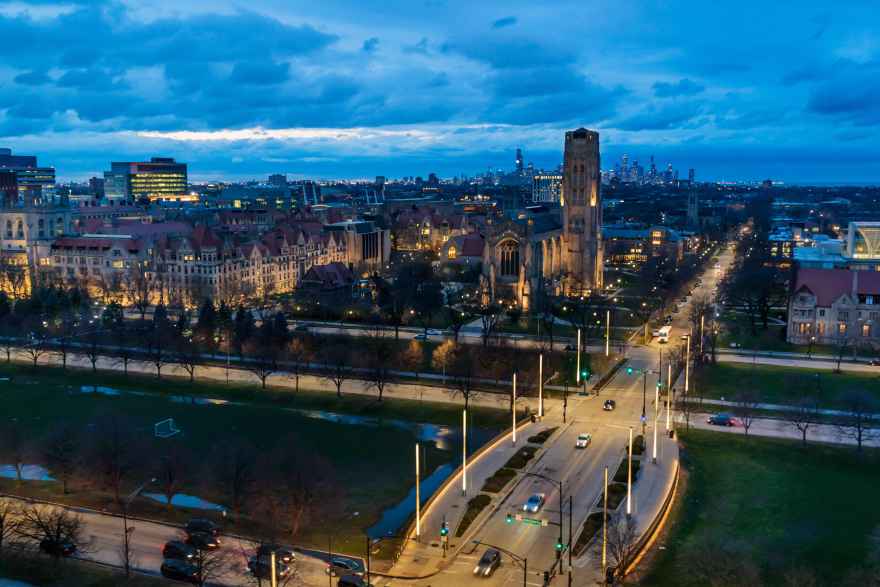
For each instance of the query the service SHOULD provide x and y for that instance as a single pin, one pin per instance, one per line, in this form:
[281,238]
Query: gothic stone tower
[582,212]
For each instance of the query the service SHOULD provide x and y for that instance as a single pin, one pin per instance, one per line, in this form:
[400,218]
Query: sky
[743,90]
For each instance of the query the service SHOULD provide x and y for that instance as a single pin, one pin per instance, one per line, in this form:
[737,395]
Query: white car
[583,440]
[534,503]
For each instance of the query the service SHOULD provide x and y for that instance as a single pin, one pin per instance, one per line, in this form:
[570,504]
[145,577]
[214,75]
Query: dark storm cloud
[504,22]
[660,118]
[683,87]
[851,94]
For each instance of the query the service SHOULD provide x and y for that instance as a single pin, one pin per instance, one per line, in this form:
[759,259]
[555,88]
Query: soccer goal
[166,428]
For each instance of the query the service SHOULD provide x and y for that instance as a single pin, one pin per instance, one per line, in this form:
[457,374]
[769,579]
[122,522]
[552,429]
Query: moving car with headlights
[179,550]
[534,503]
[721,419]
[203,541]
[282,553]
[260,567]
[583,440]
[488,563]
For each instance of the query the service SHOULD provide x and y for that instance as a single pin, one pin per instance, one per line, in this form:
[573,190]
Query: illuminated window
[452,253]
[866,330]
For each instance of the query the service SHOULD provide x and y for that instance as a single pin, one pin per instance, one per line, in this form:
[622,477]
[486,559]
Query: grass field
[754,510]
[782,385]
[371,460]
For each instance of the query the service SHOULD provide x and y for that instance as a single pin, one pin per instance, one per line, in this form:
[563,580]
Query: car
[203,541]
[534,503]
[179,550]
[301,328]
[421,336]
[59,547]
[433,332]
[570,348]
[667,320]
[179,570]
[338,567]
[583,440]
[352,581]
[202,525]
[282,553]
[609,405]
[684,336]
[721,419]
[260,567]
[490,561]
[875,362]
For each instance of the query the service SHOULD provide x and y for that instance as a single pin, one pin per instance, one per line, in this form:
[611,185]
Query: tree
[442,357]
[489,316]
[61,452]
[92,348]
[188,355]
[463,368]
[804,414]
[621,541]
[684,407]
[235,469]
[298,355]
[54,524]
[379,352]
[747,403]
[161,339]
[859,422]
[244,328]
[264,351]
[211,565]
[171,470]
[15,446]
[115,452]
[37,345]
[139,287]
[9,521]
[412,357]
[335,366]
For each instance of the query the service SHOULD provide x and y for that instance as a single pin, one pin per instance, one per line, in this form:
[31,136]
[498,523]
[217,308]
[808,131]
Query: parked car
[338,567]
[202,525]
[667,320]
[721,419]
[583,440]
[57,547]
[260,567]
[433,332]
[609,405]
[282,553]
[203,541]
[421,336]
[490,561]
[353,581]
[534,503]
[875,362]
[174,568]
[179,550]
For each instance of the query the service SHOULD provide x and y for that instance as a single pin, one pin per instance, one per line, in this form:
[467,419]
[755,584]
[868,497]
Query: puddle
[394,517]
[28,473]
[183,500]
[100,389]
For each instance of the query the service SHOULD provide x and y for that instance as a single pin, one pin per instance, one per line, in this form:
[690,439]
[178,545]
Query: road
[104,536]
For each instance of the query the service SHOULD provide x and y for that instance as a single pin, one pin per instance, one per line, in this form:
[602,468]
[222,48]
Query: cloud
[259,73]
[660,118]
[683,87]
[852,94]
[510,52]
[370,45]
[504,22]
[32,78]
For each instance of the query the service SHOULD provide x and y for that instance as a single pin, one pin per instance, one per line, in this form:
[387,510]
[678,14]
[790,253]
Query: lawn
[371,461]
[756,509]
[781,385]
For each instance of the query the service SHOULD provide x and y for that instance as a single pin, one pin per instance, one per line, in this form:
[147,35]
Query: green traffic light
[509,519]
[629,370]
[558,546]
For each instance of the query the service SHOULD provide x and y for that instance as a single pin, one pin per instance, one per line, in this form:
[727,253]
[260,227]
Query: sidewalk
[768,407]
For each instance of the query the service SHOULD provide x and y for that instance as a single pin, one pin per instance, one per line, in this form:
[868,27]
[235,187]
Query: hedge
[496,482]
[522,456]
[541,437]
[616,494]
[591,527]
[474,507]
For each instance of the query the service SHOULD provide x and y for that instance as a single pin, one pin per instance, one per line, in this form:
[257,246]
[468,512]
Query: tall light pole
[629,475]
[578,373]
[126,531]
[668,406]
[656,402]
[687,365]
[464,452]
[513,409]
[644,401]
[418,498]
[605,525]
[541,384]
[702,324]
[273,571]
[607,332]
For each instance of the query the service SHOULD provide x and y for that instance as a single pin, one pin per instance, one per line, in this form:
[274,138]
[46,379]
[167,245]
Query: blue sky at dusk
[348,89]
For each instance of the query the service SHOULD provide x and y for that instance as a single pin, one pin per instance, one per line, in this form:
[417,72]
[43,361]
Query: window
[509,259]
[843,316]
[866,330]
[822,312]
[452,253]
[841,329]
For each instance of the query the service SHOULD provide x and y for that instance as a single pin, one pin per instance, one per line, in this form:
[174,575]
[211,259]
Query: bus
[663,334]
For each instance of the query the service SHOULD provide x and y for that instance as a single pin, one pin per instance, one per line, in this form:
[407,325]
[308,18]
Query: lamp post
[541,384]
[578,366]
[702,323]
[513,409]
[644,400]
[687,364]
[464,452]
[418,498]
[607,332]
[126,531]
[605,524]
[524,562]
[656,402]
[629,475]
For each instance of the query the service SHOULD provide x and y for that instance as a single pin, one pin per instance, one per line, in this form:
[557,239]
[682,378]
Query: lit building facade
[546,188]
[158,179]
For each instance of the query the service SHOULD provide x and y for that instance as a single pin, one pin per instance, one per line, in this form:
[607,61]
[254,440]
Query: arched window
[509,259]
[452,253]
[19,230]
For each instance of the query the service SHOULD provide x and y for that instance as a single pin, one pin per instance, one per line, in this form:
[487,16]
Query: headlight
[476,570]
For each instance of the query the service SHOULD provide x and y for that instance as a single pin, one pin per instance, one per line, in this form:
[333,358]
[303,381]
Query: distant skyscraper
[693,207]
[691,175]
[160,178]
[278,180]
[519,161]
[546,188]
[582,211]
[33,184]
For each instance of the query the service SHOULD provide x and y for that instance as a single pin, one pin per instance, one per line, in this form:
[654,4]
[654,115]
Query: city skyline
[338,91]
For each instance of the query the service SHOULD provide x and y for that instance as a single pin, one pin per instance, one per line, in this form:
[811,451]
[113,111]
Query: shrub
[621,474]
[522,456]
[616,494]
[496,482]
[591,527]
[474,507]
[541,437]
[638,445]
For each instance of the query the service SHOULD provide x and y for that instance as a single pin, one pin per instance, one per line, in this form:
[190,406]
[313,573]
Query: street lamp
[524,562]
[687,364]
[126,531]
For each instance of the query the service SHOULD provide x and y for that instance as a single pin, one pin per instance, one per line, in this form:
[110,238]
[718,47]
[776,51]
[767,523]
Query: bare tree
[9,521]
[622,542]
[860,420]
[61,452]
[684,406]
[840,350]
[188,356]
[139,287]
[15,446]
[211,565]
[55,525]
[37,346]
[171,471]
[298,356]
[747,403]
[116,452]
[335,366]
[463,368]
[93,349]
[235,469]
[803,415]
[379,361]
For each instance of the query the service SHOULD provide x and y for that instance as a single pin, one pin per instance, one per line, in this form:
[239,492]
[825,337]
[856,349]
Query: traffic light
[559,545]
[509,518]
[629,370]
[585,374]
[444,529]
